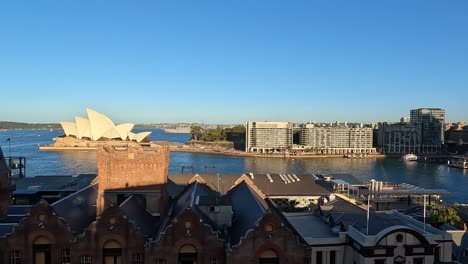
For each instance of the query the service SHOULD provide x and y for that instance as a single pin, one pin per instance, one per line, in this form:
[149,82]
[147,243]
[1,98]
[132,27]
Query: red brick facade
[187,229]
[280,239]
[41,223]
[112,225]
[132,166]
[5,191]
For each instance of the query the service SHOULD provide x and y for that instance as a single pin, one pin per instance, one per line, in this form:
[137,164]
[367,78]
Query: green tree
[196,132]
[441,215]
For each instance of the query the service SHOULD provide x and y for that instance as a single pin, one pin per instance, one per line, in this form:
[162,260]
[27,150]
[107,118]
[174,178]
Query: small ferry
[409,157]
[458,162]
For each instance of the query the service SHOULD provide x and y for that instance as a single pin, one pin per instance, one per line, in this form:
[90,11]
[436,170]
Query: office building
[423,134]
[398,138]
[430,123]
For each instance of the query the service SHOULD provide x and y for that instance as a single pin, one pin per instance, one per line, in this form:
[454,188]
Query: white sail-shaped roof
[83,128]
[139,136]
[124,129]
[69,128]
[99,126]
[99,123]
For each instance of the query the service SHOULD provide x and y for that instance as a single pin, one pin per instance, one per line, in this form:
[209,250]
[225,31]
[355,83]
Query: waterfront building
[337,139]
[430,123]
[398,138]
[424,133]
[268,137]
[456,141]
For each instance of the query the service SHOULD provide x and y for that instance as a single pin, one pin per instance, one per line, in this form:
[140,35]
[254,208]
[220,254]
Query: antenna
[424,213]
[368,213]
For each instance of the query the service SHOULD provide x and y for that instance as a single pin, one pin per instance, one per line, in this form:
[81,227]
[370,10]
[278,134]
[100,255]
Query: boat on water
[458,162]
[409,157]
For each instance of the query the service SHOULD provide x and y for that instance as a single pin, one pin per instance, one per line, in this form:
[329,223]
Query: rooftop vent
[295,177]
[269,177]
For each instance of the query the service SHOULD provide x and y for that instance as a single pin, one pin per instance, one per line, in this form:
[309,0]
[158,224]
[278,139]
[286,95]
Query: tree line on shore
[235,134]
[19,125]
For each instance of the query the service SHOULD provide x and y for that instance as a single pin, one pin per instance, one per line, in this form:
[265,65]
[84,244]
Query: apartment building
[268,137]
[337,139]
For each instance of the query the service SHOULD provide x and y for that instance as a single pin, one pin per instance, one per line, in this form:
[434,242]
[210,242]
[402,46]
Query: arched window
[41,250]
[187,254]
[112,252]
[268,256]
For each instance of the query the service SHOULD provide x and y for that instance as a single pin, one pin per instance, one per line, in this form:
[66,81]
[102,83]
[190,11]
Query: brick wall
[131,166]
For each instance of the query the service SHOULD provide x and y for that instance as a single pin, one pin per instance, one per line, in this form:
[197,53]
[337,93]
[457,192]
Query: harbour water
[428,175]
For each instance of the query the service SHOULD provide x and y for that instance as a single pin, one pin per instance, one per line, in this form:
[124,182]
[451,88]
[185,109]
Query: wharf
[433,158]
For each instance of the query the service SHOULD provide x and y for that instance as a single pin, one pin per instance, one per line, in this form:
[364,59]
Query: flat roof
[54,183]
[310,225]
[271,184]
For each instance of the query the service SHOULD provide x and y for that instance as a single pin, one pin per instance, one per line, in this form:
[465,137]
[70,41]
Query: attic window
[188,224]
[268,228]
[42,217]
[399,238]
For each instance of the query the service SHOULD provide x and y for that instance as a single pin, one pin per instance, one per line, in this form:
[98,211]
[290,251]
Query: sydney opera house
[88,132]
[101,127]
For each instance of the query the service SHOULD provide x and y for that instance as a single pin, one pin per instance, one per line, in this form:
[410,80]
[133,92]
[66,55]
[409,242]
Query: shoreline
[175,148]
[247,154]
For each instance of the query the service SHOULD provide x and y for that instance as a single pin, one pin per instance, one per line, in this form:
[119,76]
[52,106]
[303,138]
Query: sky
[232,61]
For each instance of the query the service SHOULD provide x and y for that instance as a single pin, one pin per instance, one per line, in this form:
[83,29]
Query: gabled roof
[188,199]
[272,185]
[137,213]
[6,229]
[248,208]
[3,163]
[78,209]
[345,213]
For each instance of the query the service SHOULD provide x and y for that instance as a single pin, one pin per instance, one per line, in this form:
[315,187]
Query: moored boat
[409,157]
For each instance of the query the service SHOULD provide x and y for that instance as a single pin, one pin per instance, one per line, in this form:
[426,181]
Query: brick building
[128,215]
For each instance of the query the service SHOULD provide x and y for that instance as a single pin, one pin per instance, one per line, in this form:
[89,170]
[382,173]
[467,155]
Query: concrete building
[341,139]
[398,138]
[268,137]
[430,123]
[424,133]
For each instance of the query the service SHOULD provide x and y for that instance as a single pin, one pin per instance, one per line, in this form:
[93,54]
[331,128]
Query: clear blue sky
[230,61]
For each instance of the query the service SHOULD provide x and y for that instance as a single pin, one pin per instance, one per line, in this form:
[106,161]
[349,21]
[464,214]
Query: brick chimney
[132,169]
